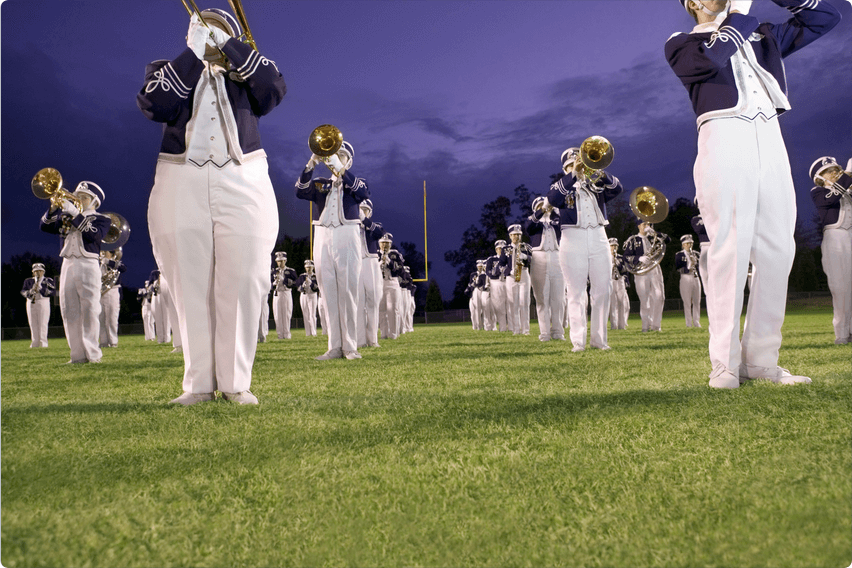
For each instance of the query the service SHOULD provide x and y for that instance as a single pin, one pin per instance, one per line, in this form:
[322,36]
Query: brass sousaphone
[118,233]
[650,206]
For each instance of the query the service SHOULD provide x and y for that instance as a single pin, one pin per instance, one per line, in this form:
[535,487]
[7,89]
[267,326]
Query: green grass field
[446,447]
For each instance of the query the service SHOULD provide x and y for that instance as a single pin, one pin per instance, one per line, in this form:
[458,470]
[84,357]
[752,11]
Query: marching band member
[649,285]
[409,288]
[337,246]
[145,295]
[833,199]
[686,263]
[111,269]
[619,303]
[211,174]
[390,263]
[519,287]
[370,286]
[38,290]
[732,67]
[470,292]
[548,285]
[483,284]
[283,281]
[82,232]
[584,253]
[160,308]
[308,289]
[497,267]
[704,246]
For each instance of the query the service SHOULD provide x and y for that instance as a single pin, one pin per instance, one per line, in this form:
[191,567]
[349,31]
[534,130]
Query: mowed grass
[446,447]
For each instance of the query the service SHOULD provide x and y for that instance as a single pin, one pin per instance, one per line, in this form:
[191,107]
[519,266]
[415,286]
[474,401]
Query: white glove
[334,163]
[220,37]
[313,162]
[197,36]
[69,208]
[643,259]
[741,6]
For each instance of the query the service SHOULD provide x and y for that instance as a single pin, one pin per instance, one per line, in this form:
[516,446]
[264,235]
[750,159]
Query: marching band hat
[38,266]
[821,165]
[499,243]
[386,238]
[686,239]
[308,263]
[515,229]
[570,156]
[538,202]
[281,255]
[406,269]
[366,203]
[93,189]
[225,19]
[613,241]
[480,263]
[347,147]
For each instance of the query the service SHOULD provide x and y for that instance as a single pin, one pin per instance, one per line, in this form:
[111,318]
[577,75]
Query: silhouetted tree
[434,302]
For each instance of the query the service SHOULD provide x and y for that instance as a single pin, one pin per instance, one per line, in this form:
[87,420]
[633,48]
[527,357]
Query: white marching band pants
[477,313]
[38,316]
[282,312]
[652,298]
[499,303]
[370,289]
[309,312]
[161,311]
[475,318]
[108,320]
[408,315]
[337,254]
[837,264]
[619,304]
[548,286]
[212,232]
[584,254]
[80,303]
[748,203]
[263,324]
[389,308]
[148,320]
[488,321]
[519,299]
[690,294]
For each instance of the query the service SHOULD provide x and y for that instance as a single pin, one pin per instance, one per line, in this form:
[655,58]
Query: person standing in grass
[111,269]
[283,281]
[308,289]
[686,263]
[38,290]
[619,304]
[731,65]
[370,281]
[497,267]
[548,284]
[833,199]
[82,232]
[650,286]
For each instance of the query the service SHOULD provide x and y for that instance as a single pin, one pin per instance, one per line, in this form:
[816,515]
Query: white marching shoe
[190,398]
[243,397]
[778,375]
[351,355]
[722,378]
[330,354]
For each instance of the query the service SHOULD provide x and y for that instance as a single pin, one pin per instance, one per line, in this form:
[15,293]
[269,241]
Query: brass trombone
[237,8]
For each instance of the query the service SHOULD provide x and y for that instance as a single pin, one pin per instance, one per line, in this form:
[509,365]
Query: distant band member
[408,288]
[111,269]
[497,267]
[833,199]
[483,284]
[390,264]
[732,68]
[370,287]
[584,253]
[619,304]
[337,246]
[283,281]
[548,284]
[212,213]
[38,290]
[308,297]
[160,307]
[687,263]
[649,285]
[470,292]
[519,290]
[145,295]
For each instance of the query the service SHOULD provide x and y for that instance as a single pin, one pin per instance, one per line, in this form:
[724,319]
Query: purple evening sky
[474,97]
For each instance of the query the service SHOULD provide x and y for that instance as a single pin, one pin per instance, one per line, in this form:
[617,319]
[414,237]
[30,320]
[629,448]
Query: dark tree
[434,302]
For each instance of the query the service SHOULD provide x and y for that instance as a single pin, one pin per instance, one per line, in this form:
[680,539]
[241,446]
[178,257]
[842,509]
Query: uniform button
[214,138]
[213,102]
[212,118]
[211,155]
[755,92]
[751,76]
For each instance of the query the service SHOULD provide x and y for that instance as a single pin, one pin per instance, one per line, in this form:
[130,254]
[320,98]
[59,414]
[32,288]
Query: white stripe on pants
[690,294]
[837,264]
[337,254]
[282,312]
[584,254]
[548,286]
[80,303]
[309,313]
[212,232]
[38,316]
[748,203]
[108,320]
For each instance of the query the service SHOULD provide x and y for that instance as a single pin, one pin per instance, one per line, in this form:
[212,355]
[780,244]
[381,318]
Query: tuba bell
[118,233]
[596,153]
[650,206]
[47,184]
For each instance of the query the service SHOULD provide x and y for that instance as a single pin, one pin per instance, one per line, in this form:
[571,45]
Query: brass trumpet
[325,141]
[596,153]
[47,184]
